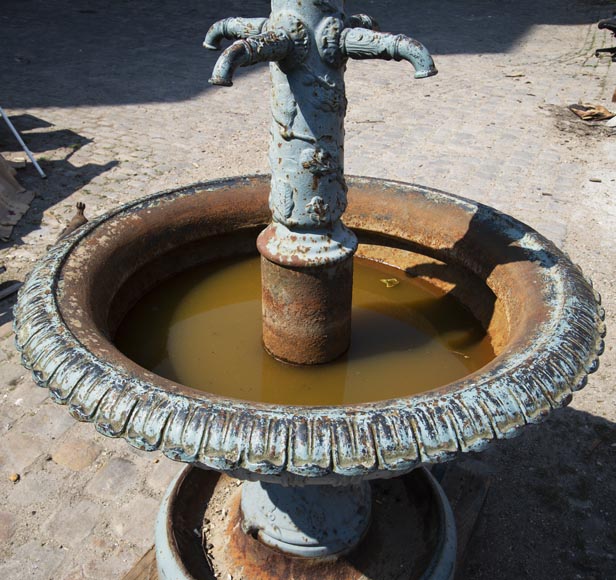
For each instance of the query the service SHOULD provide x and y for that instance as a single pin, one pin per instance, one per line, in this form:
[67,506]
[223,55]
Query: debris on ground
[590,112]
[78,220]
[14,199]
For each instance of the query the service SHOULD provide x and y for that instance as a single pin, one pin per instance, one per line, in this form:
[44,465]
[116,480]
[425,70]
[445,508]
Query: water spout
[361,21]
[269,46]
[232,29]
[361,43]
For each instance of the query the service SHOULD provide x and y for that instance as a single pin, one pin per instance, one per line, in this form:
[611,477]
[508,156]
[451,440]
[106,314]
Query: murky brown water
[203,329]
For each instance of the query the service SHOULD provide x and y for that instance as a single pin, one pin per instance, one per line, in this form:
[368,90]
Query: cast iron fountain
[305,509]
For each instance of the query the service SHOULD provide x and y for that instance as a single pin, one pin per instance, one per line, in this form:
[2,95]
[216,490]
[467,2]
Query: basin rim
[319,444]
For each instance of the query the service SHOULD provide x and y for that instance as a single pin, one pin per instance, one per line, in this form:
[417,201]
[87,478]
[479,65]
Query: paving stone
[160,474]
[7,526]
[11,373]
[114,479]
[19,450]
[72,524]
[26,394]
[9,414]
[34,562]
[35,488]
[114,564]
[134,521]
[76,454]
[6,329]
[50,421]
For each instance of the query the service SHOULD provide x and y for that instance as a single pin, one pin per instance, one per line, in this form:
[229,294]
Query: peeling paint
[544,361]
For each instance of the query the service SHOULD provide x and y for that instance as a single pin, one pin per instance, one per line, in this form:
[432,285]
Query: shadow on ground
[63,177]
[94,52]
[551,503]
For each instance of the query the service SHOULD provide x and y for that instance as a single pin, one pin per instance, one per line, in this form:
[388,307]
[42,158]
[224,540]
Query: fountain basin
[541,313]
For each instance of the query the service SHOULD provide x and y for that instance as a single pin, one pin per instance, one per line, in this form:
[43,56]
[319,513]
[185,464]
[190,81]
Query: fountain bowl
[542,315]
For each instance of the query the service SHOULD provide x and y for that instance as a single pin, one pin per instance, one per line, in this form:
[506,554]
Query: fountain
[329,490]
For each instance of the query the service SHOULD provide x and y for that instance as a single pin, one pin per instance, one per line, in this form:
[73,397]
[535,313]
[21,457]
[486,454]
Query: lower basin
[539,314]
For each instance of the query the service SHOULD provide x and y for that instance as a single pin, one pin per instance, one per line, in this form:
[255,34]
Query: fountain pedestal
[319,296]
[412,532]
[315,521]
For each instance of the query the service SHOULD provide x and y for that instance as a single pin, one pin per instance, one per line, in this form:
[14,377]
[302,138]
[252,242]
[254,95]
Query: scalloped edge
[309,445]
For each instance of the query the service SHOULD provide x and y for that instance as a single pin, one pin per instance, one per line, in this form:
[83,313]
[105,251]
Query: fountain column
[307,252]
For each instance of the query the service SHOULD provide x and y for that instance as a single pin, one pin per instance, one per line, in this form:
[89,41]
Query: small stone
[75,454]
[14,477]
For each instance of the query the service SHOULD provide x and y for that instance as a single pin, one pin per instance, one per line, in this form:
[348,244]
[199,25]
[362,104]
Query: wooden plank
[145,569]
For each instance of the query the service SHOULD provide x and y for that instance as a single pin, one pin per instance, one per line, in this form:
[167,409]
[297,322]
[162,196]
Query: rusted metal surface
[292,294]
[62,326]
[411,535]
[307,45]
[76,221]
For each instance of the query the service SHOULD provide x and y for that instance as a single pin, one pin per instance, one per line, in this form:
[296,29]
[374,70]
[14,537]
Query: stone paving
[113,99]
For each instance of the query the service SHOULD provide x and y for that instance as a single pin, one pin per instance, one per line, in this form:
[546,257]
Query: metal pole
[23,145]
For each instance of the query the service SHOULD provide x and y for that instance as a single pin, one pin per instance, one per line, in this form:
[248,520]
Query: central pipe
[307,252]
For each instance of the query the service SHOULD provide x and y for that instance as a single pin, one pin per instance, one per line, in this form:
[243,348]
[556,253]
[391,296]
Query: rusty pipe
[232,29]
[361,43]
[269,46]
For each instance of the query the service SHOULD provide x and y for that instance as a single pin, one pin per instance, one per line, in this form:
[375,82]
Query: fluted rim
[320,444]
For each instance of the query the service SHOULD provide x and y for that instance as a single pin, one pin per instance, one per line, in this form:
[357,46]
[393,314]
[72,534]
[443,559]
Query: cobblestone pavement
[113,98]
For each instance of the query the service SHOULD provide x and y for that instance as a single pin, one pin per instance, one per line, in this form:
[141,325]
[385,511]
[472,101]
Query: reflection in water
[203,329]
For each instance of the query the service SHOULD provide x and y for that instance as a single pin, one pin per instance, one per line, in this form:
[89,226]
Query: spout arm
[361,21]
[361,43]
[269,46]
[232,29]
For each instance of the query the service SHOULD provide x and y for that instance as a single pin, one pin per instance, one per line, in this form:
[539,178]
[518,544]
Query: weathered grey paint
[307,44]
[323,444]
[317,521]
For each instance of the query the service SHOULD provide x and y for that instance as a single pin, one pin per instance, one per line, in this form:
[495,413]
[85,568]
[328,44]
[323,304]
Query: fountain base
[199,534]
[313,521]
